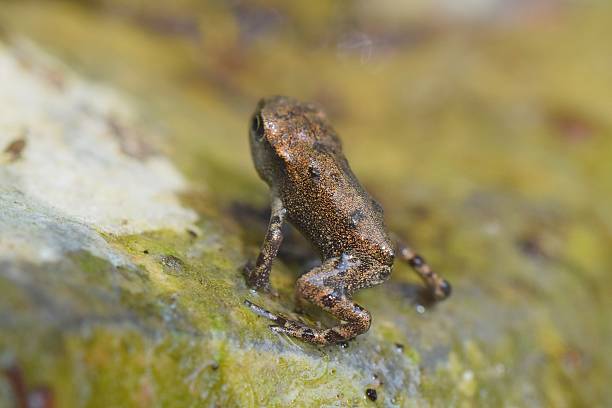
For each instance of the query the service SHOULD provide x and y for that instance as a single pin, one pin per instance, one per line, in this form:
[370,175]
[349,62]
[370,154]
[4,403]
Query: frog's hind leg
[438,287]
[324,286]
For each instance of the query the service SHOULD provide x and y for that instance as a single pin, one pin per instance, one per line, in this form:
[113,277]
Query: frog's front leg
[258,276]
[329,286]
[438,287]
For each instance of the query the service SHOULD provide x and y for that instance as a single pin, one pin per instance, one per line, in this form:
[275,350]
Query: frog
[299,155]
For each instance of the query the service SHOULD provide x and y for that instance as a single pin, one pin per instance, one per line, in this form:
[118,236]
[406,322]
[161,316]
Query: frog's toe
[443,290]
[260,311]
[300,331]
[287,326]
[446,288]
[257,281]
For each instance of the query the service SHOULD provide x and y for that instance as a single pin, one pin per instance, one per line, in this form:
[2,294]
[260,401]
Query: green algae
[174,340]
[492,155]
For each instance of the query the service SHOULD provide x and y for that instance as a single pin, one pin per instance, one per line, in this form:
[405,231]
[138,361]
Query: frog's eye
[257,127]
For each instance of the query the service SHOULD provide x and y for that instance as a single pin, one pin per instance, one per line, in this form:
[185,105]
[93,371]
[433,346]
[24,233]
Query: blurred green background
[483,127]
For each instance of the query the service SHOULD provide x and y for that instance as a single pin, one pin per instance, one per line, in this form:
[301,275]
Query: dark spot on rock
[169,24]
[131,142]
[214,366]
[356,217]
[343,344]
[531,247]
[416,261]
[146,252]
[572,126]
[371,394]
[420,211]
[15,149]
[192,233]
[171,263]
[399,347]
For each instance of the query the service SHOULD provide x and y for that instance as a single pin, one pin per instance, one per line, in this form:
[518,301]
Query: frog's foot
[282,323]
[438,287]
[255,280]
[258,275]
[336,335]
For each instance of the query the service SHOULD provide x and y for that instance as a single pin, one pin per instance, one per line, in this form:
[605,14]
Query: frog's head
[279,131]
[283,132]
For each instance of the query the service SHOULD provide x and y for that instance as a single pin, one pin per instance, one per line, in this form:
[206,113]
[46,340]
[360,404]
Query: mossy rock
[125,221]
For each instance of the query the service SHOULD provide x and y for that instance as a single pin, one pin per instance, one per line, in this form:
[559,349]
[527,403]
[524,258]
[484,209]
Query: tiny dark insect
[371,394]
[298,154]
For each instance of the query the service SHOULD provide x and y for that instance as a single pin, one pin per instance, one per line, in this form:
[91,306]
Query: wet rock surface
[125,221]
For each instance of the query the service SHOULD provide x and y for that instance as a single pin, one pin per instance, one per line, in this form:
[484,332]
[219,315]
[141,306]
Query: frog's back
[327,204]
[323,198]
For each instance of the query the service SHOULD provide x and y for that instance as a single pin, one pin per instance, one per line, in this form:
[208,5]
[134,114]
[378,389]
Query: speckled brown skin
[298,154]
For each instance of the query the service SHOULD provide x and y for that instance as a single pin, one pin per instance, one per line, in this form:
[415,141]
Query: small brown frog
[298,154]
